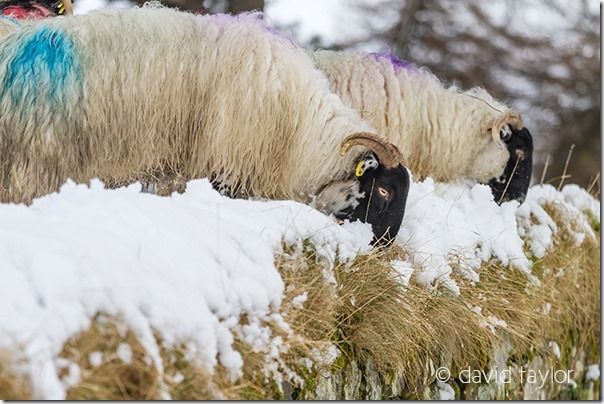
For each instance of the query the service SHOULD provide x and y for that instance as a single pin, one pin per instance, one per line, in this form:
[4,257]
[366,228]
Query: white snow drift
[189,266]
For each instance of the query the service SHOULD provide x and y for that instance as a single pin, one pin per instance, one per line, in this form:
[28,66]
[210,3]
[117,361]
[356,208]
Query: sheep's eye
[506,133]
[383,192]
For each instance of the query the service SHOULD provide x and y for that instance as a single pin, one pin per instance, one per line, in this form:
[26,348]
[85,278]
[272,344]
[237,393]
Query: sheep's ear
[368,162]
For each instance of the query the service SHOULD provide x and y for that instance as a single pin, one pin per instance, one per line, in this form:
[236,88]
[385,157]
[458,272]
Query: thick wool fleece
[138,94]
[442,132]
[8,25]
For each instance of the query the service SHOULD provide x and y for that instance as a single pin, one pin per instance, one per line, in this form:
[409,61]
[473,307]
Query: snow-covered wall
[191,265]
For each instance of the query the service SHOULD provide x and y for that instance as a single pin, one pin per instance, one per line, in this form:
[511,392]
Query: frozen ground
[189,266]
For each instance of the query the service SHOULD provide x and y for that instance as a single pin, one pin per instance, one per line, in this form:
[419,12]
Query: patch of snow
[124,352]
[458,226]
[404,269]
[298,301]
[553,345]
[573,201]
[95,359]
[325,355]
[582,200]
[593,372]
[73,373]
[445,391]
[442,225]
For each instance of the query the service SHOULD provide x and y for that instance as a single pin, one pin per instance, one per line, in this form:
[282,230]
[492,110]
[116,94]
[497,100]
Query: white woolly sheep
[130,95]
[442,132]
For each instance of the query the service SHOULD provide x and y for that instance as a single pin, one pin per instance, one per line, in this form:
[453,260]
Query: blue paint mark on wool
[41,66]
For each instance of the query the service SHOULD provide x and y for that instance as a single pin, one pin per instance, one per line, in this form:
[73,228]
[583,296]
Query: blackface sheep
[514,181]
[443,132]
[146,93]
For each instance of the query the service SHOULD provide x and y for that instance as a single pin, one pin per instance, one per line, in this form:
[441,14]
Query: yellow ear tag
[61,8]
[360,169]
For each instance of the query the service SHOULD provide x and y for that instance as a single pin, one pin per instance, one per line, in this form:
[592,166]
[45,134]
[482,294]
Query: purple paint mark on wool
[255,18]
[397,63]
[277,33]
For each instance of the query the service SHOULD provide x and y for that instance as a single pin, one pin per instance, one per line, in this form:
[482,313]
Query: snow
[298,301]
[73,373]
[593,372]
[190,266]
[553,345]
[441,227]
[445,391]
[572,200]
[458,225]
[404,269]
[95,359]
[124,352]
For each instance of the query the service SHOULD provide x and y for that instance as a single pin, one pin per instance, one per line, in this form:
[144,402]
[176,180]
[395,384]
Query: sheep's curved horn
[509,118]
[388,154]
[68,7]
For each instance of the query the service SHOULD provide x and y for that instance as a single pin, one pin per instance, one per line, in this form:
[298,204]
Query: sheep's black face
[515,180]
[385,196]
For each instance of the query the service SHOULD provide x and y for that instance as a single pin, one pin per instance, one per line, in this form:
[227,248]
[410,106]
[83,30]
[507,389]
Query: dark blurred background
[541,57]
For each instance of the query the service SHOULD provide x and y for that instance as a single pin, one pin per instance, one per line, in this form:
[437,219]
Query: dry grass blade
[564,175]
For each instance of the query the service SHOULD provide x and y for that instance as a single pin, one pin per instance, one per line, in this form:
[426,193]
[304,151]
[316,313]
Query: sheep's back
[121,95]
[440,130]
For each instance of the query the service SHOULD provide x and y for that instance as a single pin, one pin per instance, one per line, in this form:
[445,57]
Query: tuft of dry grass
[564,308]
[408,331]
[12,385]
[572,280]
[112,379]
[372,317]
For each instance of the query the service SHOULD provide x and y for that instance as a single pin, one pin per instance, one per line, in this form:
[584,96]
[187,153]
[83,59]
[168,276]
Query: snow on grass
[190,266]
[593,372]
[445,391]
[95,359]
[298,301]
[459,225]
[540,228]
[124,352]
